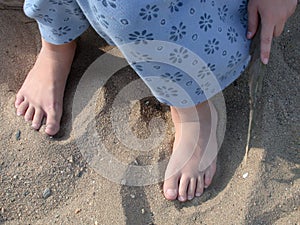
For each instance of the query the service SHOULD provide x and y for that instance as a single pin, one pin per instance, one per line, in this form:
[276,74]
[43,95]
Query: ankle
[59,52]
[192,114]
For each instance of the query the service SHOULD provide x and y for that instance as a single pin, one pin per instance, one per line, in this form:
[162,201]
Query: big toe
[52,129]
[171,188]
[52,122]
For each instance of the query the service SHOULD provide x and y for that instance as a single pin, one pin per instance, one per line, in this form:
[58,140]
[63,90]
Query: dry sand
[30,162]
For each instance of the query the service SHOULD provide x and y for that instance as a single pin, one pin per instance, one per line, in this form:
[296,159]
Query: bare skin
[272,15]
[41,95]
[190,171]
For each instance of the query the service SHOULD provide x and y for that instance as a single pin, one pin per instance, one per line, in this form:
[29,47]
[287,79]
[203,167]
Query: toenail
[198,194]
[180,198]
[190,197]
[171,193]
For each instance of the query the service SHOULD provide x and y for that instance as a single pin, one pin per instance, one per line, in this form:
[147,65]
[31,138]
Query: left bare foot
[193,161]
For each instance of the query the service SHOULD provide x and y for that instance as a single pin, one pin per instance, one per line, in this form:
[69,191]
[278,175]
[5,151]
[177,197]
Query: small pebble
[79,173]
[70,159]
[46,193]
[158,107]
[77,211]
[143,211]
[132,196]
[245,175]
[18,135]
[123,181]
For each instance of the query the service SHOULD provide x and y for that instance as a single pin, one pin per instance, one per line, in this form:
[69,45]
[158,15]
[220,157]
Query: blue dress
[186,51]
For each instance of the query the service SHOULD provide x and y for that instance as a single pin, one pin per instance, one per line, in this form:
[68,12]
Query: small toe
[192,188]
[29,113]
[200,186]
[208,175]
[183,188]
[37,119]
[171,188]
[19,100]
[21,110]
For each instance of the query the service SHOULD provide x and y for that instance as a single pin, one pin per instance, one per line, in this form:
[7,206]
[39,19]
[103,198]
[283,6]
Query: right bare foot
[41,94]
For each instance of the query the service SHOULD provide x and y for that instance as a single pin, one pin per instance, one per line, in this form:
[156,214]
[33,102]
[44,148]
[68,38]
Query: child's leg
[189,170]
[202,42]
[41,94]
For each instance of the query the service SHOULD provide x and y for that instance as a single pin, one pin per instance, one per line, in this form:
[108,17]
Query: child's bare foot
[193,161]
[41,94]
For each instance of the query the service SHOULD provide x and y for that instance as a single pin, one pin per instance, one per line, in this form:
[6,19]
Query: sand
[30,161]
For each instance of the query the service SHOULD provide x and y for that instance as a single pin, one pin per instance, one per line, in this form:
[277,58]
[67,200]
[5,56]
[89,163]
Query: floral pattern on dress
[208,37]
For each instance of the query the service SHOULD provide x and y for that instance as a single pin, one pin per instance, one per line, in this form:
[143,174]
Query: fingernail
[18,114]
[265,61]
[190,197]
[198,194]
[34,126]
[249,34]
[171,193]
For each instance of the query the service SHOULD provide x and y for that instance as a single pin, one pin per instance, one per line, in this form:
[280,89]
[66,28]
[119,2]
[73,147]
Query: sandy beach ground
[30,162]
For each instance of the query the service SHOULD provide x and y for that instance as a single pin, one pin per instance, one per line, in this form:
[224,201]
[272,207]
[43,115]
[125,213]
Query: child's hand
[273,15]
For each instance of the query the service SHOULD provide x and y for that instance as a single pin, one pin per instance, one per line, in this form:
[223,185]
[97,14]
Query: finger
[253,19]
[267,31]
